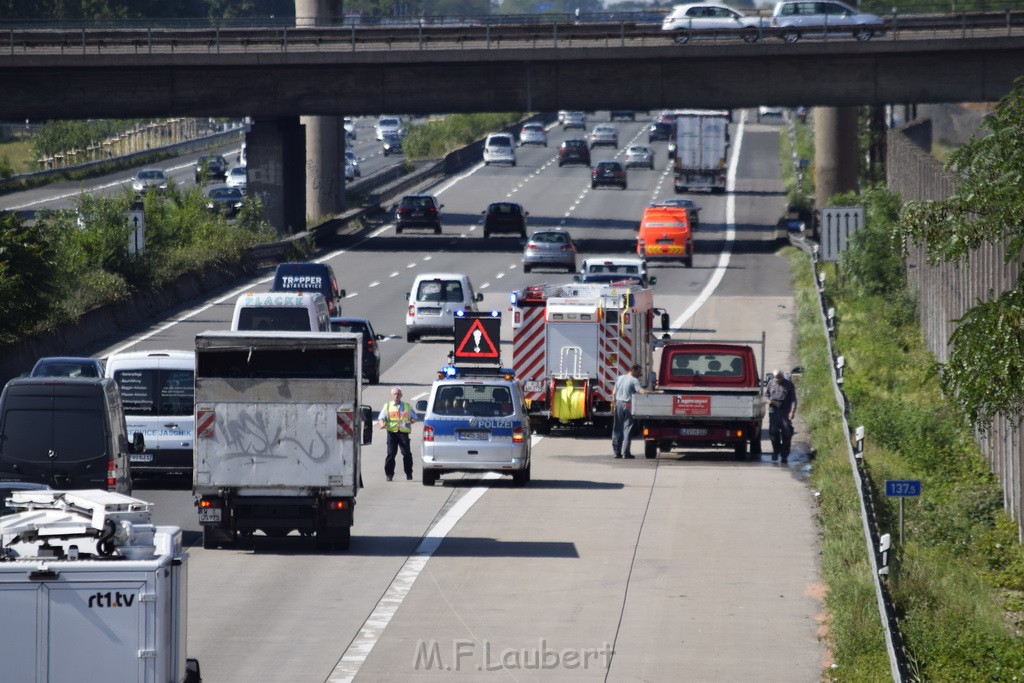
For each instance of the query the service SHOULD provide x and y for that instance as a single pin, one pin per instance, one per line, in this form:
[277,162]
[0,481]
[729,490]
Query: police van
[281,311]
[475,421]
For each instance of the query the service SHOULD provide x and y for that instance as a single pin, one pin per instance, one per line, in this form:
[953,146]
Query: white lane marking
[485,285]
[730,232]
[499,275]
[512,266]
[427,258]
[373,628]
[375,283]
[351,295]
[394,274]
[411,265]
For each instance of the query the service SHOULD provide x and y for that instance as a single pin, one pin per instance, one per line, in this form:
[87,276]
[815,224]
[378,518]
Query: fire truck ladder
[574,356]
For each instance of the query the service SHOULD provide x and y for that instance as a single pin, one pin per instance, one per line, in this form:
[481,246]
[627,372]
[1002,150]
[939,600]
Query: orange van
[665,234]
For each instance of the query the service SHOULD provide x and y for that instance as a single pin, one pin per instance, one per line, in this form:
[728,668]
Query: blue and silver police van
[475,421]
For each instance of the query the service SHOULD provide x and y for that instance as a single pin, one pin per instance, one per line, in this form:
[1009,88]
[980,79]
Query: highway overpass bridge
[276,76]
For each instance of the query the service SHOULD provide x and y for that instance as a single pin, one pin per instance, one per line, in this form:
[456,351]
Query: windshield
[156,392]
[474,400]
[440,290]
[273,318]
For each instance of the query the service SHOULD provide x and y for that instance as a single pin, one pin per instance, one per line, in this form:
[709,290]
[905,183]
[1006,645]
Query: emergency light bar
[458,372]
[477,314]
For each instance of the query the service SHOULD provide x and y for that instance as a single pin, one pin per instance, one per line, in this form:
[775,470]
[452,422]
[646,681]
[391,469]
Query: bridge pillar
[276,154]
[325,152]
[835,152]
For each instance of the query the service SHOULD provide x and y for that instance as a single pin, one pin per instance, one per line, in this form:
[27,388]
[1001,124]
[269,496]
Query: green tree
[985,369]
[29,276]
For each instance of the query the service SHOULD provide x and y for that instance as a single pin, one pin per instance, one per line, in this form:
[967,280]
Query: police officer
[397,417]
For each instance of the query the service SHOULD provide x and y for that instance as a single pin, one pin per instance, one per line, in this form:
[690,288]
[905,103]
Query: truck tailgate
[271,444]
[699,405]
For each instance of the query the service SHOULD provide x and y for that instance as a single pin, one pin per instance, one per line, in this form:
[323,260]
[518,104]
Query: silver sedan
[639,155]
[550,249]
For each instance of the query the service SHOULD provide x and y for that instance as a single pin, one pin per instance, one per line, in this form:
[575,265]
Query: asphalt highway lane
[691,566]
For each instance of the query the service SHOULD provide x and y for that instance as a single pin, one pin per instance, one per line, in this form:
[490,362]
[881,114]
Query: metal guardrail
[899,658]
[439,34]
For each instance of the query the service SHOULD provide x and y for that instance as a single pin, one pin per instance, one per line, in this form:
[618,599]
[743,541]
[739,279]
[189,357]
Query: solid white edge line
[361,646]
[730,232]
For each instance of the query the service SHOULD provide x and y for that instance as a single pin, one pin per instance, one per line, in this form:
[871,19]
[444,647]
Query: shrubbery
[70,262]
[435,139]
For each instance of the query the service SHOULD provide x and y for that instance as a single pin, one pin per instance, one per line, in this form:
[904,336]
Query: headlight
[209,205]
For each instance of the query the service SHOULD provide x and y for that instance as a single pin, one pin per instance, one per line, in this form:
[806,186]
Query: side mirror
[440,206]
[653,280]
[341,294]
[665,321]
[366,421]
[526,213]
[407,296]
[379,337]
[421,406]
[478,298]
[138,442]
[483,213]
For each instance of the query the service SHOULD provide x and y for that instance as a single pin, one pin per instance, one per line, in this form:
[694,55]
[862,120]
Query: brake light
[403,210]
[412,310]
[206,503]
[369,344]
[517,435]
[111,474]
[567,247]
[428,433]
[532,247]
[336,505]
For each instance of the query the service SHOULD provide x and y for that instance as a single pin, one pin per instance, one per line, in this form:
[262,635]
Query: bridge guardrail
[440,35]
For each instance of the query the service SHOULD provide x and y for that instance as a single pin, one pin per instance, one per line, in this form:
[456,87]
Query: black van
[309,277]
[68,433]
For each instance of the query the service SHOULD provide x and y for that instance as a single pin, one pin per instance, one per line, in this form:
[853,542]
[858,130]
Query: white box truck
[702,150]
[279,427]
[90,590]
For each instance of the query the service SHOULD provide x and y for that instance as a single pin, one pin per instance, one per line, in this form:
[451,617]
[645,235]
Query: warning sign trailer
[571,342]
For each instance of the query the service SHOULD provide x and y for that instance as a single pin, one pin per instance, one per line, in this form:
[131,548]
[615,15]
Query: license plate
[417,214]
[140,457]
[692,431]
[533,385]
[429,311]
[474,435]
[665,241]
[209,515]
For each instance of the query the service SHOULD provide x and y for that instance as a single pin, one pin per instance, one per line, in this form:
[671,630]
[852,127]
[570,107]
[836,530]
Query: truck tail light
[647,431]
[428,433]
[517,435]
[208,503]
[111,473]
[336,505]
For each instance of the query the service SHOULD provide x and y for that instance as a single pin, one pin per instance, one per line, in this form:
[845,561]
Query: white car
[574,119]
[814,18]
[149,180]
[604,135]
[351,165]
[499,148]
[639,155]
[389,124]
[709,20]
[533,134]
[237,178]
[350,128]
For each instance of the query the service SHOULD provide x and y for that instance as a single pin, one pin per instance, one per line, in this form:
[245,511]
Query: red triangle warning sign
[476,343]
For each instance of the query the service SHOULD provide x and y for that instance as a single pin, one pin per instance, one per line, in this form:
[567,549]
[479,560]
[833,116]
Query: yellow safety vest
[399,417]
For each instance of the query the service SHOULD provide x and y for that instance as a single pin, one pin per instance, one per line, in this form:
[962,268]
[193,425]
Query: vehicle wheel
[374,377]
[680,190]
[652,165]
[688,261]
[429,477]
[682,38]
[650,449]
[559,164]
[526,269]
[521,477]
[398,230]
[487,163]
[411,337]
[544,428]
[341,539]
[623,186]
[755,444]
[570,269]
[791,37]
[741,449]
[513,164]
[862,35]
[522,235]
[437,230]
[385,152]
[486,234]
[751,36]
[210,541]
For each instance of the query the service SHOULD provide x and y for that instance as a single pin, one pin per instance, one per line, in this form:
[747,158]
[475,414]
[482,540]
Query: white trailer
[702,150]
[90,590]
[278,434]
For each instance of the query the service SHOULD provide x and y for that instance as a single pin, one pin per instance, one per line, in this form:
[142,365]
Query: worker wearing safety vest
[397,417]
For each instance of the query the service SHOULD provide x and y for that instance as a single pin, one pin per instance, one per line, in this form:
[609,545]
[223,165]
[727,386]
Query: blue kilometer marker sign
[903,488]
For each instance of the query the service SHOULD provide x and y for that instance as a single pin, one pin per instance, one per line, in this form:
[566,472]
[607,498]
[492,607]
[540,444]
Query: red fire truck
[571,341]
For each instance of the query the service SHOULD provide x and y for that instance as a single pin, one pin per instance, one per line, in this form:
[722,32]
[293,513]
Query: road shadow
[562,484]
[404,546]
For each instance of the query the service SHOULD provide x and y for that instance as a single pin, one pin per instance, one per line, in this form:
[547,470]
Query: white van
[499,148]
[433,301]
[282,311]
[158,393]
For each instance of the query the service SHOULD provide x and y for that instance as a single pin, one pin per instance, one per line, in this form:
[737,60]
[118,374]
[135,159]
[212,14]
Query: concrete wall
[948,290]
